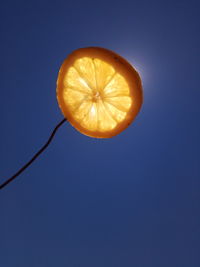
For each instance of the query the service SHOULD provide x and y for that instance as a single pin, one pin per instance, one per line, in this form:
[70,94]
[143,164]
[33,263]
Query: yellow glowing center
[97,96]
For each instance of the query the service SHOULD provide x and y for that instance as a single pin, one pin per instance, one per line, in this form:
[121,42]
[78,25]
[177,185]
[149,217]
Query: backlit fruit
[98,91]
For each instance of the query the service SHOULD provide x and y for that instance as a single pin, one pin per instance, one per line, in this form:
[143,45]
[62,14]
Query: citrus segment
[90,120]
[82,110]
[73,80]
[116,86]
[98,92]
[104,73]
[105,121]
[122,103]
[117,114]
[85,68]
[73,98]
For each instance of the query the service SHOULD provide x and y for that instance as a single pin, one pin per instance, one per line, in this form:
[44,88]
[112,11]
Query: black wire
[34,157]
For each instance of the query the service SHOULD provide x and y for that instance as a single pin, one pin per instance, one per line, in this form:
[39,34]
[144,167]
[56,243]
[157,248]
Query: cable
[34,157]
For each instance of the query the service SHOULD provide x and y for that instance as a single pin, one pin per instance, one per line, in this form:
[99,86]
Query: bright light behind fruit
[98,92]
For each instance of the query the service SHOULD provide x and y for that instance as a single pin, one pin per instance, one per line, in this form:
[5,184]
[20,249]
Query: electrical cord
[34,157]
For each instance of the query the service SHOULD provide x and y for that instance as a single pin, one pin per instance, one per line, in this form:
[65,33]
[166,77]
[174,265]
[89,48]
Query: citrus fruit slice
[98,91]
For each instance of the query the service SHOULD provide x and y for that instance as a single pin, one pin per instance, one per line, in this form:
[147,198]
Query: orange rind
[99,92]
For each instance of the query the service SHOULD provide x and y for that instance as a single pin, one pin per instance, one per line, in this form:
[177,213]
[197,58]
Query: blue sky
[132,200]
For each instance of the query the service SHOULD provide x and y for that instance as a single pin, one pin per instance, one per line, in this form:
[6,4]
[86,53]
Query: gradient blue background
[133,200]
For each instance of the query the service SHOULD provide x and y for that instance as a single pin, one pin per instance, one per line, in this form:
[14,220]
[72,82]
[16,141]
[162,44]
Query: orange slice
[98,91]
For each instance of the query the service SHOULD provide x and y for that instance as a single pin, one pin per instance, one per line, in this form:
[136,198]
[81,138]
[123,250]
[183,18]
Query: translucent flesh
[96,95]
